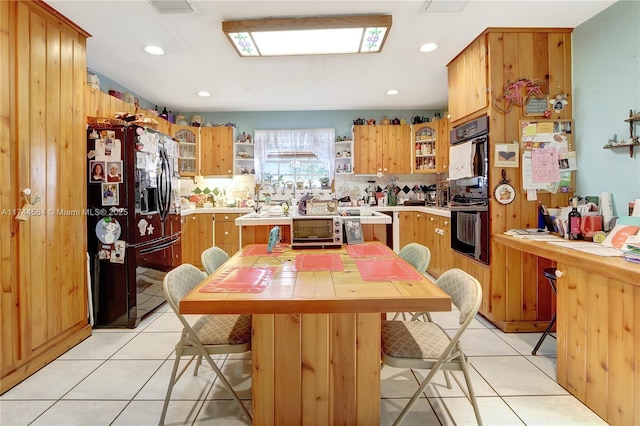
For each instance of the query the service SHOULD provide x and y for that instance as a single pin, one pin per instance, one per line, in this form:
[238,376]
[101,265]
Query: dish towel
[461,161]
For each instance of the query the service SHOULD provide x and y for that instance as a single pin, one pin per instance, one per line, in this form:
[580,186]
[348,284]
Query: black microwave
[475,186]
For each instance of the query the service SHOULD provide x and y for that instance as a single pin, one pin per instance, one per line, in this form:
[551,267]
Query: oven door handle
[473,208]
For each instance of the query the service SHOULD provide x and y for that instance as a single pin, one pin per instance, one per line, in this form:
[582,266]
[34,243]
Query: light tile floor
[119,377]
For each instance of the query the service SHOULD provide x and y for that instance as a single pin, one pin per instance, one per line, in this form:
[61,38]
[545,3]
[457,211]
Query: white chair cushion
[413,339]
[223,329]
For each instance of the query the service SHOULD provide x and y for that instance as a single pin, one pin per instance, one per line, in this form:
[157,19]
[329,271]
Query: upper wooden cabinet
[468,80]
[189,141]
[430,147]
[384,148]
[216,150]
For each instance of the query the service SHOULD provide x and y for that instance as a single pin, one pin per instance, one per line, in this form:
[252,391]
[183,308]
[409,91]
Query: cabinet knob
[193,217]
[418,215]
[226,232]
[446,222]
[431,219]
[226,217]
[559,273]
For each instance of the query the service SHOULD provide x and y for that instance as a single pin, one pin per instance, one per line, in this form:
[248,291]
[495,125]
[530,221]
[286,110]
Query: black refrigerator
[133,226]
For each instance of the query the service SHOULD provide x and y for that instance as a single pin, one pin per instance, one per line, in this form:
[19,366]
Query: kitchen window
[295,155]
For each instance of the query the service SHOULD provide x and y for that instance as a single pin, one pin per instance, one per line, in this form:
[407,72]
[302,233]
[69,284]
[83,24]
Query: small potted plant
[324,182]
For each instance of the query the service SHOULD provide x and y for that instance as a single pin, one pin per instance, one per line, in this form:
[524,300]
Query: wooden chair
[210,334]
[425,345]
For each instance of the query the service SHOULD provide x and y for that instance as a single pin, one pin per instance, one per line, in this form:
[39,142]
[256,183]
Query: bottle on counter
[575,219]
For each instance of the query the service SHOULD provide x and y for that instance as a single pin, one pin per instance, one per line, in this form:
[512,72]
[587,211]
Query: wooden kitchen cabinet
[430,146]
[227,234]
[197,236]
[438,239]
[411,228]
[43,272]
[189,141]
[216,150]
[384,148]
[467,80]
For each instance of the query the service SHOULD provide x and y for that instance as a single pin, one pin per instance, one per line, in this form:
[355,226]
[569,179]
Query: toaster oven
[316,231]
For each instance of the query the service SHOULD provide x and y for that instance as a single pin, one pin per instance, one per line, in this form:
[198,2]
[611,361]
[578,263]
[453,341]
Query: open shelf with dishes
[344,156]
[424,147]
[243,158]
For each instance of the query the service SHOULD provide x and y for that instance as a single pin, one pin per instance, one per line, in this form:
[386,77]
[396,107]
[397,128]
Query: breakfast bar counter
[316,328]
[598,324]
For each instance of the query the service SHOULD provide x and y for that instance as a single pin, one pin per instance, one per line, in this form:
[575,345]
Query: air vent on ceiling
[444,6]
[172,6]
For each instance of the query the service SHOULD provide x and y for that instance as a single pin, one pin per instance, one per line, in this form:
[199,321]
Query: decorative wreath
[518,93]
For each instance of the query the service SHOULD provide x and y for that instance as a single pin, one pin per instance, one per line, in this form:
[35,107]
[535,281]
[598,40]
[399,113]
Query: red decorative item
[368,250]
[318,262]
[244,279]
[387,270]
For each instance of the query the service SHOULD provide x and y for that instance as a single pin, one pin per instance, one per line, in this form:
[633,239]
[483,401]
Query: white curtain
[276,142]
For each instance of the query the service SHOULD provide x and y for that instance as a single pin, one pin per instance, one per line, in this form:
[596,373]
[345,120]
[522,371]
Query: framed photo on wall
[353,230]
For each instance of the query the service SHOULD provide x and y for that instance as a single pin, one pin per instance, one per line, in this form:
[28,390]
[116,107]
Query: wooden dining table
[316,325]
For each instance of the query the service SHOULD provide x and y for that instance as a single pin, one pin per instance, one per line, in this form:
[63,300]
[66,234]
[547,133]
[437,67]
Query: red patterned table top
[318,262]
[244,279]
[387,270]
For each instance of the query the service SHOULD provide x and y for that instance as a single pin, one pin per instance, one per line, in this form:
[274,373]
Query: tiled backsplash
[354,186]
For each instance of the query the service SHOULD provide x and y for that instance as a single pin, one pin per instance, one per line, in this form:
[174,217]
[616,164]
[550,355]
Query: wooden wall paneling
[597,360]
[73,196]
[9,321]
[36,175]
[562,327]
[368,367]
[262,375]
[59,70]
[576,340]
[529,288]
[47,312]
[315,370]
[621,353]
[636,339]
[343,358]
[287,369]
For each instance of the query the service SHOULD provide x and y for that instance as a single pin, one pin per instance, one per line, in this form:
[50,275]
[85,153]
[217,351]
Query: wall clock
[504,192]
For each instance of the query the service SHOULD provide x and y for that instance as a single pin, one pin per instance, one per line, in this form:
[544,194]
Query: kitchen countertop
[439,211]
[253,219]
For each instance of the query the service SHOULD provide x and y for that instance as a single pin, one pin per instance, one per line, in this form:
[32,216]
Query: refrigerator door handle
[159,247]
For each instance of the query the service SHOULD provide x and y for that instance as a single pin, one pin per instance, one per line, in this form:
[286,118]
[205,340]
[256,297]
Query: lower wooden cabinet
[432,231]
[227,234]
[197,236]
[260,234]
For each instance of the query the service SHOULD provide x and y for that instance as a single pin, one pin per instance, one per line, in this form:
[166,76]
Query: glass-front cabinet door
[188,150]
[424,147]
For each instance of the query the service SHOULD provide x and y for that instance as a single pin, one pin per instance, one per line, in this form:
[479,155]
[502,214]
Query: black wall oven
[470,231]
[469,196]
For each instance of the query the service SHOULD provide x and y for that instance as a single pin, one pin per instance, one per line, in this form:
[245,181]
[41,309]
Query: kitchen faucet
[257,206]
[291,184]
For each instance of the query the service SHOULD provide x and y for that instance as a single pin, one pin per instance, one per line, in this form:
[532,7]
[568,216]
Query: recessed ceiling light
[392,92]
[154,50]
[204,94]
[427,47]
